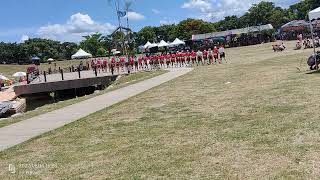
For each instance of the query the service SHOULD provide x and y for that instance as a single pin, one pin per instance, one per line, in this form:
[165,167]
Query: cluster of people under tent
[306,42]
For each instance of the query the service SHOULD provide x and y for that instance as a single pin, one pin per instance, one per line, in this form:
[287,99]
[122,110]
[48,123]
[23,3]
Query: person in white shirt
[222,53]
[210,56]
[199,57]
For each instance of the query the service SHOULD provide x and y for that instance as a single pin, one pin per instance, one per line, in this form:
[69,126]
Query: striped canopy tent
[252,29]
[295,25]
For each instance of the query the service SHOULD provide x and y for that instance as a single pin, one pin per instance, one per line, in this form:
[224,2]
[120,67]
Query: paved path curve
[22,131]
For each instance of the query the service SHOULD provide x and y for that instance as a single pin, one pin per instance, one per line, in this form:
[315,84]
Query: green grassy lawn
[121,82]
[254,118]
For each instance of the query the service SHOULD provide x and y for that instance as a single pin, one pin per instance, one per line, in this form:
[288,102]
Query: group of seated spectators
[279,47]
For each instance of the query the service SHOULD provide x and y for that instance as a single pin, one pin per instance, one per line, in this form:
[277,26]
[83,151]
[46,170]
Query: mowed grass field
[254,118]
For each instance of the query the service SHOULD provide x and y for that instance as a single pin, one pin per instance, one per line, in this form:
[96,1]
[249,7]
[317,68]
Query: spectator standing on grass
[88,65]
[222,54]
[127,64]
[300,37]
[216,55]
[188,57]
[205,56]
[162,57]
[136,63]
[168,58]
[193,57]
[199,57]
[145,62]
[173,59]
[81,66]
[112,64]
[140,61]
[118,64]
[210,54]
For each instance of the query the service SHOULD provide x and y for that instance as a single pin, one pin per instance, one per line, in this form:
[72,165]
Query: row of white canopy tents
[176,42]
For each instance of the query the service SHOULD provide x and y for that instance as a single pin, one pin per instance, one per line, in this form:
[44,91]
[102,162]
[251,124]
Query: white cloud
[134,16]
[167,22]
[155,11]
[202,5]
[218,9]
[77,26]
[24,38]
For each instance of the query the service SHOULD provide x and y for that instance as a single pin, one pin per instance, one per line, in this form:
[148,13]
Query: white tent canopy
[81,54]
[19,74]
[314,14]
[116,52]
[147,45]
[50,59]
[177,42]
[163,44]
[2,77]
[153,45]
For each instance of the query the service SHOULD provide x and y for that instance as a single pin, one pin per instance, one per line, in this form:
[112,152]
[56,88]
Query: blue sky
[69,20]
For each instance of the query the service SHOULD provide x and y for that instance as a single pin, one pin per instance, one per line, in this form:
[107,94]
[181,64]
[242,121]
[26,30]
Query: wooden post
[79,73]
[28,78]
[112,69]
[95,71]
[61,71]
[45,76]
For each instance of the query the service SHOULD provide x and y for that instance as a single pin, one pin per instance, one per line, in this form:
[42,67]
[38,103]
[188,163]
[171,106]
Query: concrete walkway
[22,131]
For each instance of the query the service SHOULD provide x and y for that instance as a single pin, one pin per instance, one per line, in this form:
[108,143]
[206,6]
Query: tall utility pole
[127,6]
[117,5]
[121,14]
[117,11]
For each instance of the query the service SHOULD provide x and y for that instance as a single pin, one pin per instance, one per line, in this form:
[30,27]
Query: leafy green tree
[279,17]
[261,13]
[92,43]
[302,8]
[43,48]
[68,49]
[102,52]
[229,22]
[118,39]
[146,34]
[166,32]
[188,27]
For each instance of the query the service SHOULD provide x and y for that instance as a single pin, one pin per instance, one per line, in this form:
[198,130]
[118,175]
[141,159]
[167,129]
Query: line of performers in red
[164,60]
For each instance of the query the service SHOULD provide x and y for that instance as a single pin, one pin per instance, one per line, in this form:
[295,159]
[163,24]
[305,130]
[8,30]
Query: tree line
[101,45]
